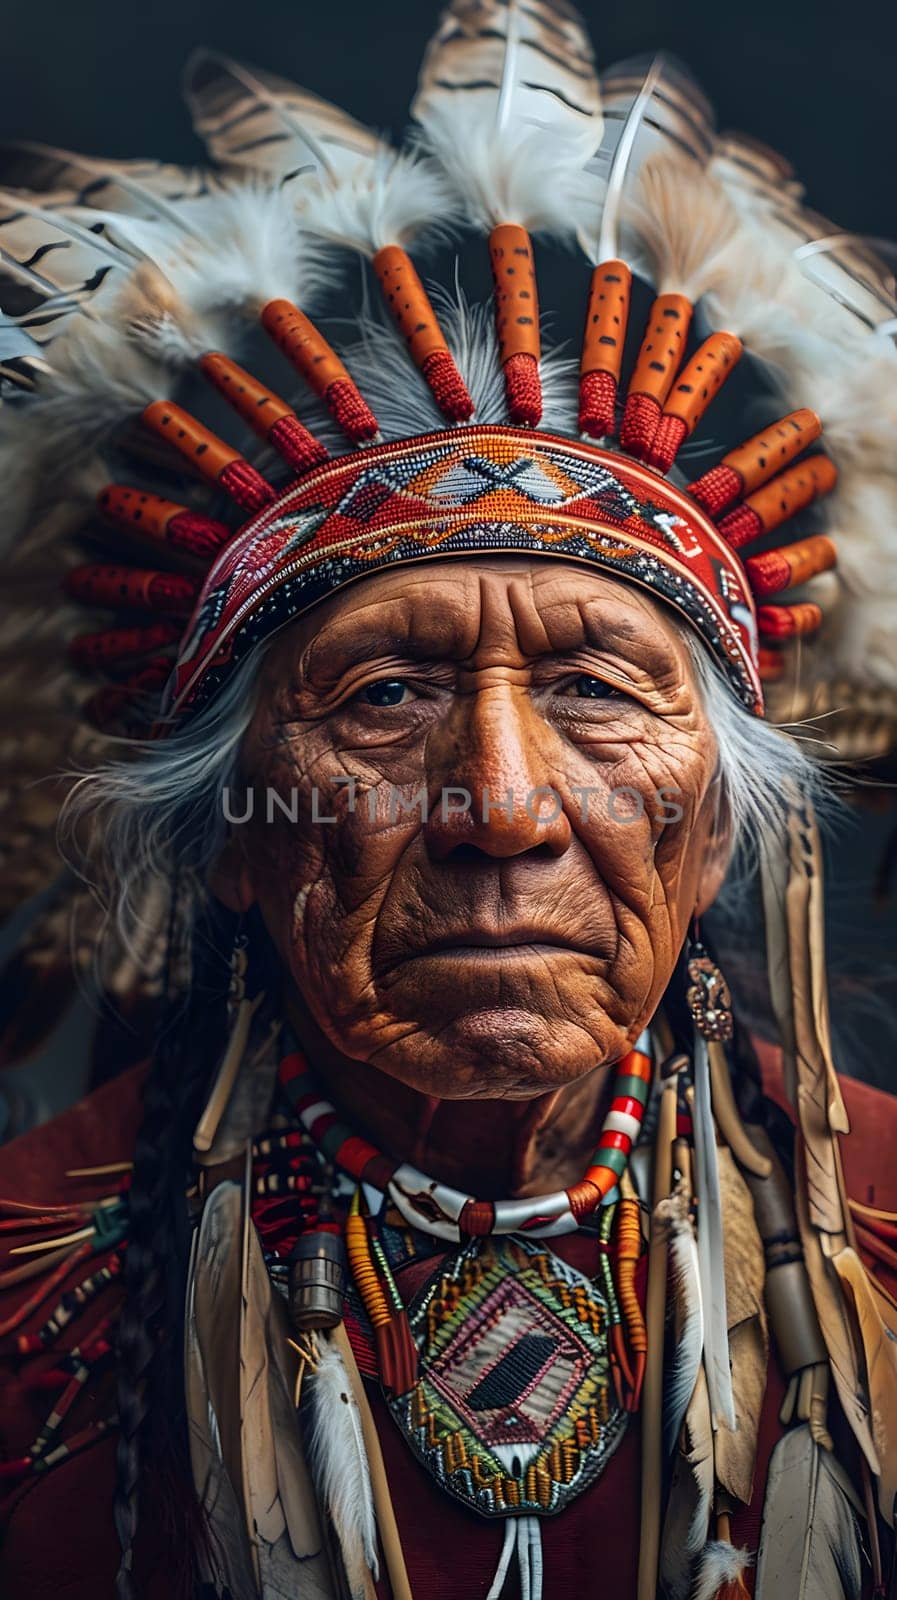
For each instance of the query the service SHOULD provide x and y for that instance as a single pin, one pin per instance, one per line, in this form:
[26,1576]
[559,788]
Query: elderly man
[452,1243]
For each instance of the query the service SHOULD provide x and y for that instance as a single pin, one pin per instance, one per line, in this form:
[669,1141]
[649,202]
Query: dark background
[815,80]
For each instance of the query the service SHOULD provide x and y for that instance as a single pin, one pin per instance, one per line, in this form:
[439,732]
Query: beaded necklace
[449,1213]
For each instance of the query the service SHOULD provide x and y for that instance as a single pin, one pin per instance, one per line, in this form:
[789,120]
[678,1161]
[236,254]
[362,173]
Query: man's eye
[386,692]
[587,688]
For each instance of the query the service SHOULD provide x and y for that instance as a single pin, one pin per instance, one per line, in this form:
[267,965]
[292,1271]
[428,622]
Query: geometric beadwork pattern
[514,1409]
[479,490]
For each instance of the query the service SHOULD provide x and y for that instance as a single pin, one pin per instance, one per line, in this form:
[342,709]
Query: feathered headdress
[124,283]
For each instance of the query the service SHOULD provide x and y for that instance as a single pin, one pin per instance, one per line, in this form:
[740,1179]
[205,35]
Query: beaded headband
[466,491]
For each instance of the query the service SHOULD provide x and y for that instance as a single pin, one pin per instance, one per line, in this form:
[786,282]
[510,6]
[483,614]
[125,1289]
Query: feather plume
[710,1247]
[390,199]
[241,1421]
[147,314]
[735,1450]
[251,119]
[340,1466]
[225,1561]
[60,260]
[792,908]
[879,1339]
[355,190]
[691,1492]
[649,106]
[508,103]
[841,275]
[721,1573]
[809,1542]
[149,189]
[834,1321]
[688,1313]
[680,228]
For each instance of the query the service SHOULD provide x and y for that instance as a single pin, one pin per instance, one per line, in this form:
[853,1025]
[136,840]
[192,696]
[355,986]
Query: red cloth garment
[59,1533]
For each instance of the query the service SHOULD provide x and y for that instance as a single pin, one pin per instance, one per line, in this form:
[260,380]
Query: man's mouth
[506,944]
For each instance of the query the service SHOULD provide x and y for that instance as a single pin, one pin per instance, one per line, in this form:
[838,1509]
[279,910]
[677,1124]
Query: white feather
[691,1491]
[685,1287]
[809,1542]
[720,1563]
[508,103]
[649,107]
[250,119]
[388,200]
[339,1465]
[679,227]
[710,1247]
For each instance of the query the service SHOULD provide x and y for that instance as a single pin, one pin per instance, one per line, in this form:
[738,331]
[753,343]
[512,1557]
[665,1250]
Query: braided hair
[152,1415]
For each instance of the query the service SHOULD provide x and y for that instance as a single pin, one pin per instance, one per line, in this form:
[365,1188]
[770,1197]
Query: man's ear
[230,879]
[715,865]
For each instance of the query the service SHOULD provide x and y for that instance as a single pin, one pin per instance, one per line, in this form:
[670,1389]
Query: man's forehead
[448,607]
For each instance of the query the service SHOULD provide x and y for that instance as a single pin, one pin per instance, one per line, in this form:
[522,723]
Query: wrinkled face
[492,820]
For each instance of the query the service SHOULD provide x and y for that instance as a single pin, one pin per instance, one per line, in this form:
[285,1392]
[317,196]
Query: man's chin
[501,1053]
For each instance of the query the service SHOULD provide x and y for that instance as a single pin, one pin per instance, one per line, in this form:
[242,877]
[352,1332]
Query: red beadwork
[241,481]
[741,526]
[349,408]
[200,536]
[716,489]
[641,416]
[132,588]
[785,622]
[297,445]
[114,647]
[771,665]
[448,386]
[523,388]
[667,442]
[597,400]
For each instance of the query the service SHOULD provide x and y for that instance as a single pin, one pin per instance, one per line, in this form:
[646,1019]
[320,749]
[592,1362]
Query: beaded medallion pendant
[514,1409]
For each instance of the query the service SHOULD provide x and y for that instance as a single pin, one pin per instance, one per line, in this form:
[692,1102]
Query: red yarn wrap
[768,574]
[477,1218]
[448,387]
[583,1198]
[299,448]
[667,442]
[347,406]
[165,522]
[641,416]
[396,1355]
[741,526]
[786,622]
[770,664]
[597,399]
[523,388]
[716,489]
[132,589]
[200,536]
[246,486]
[793,565]
[116,647]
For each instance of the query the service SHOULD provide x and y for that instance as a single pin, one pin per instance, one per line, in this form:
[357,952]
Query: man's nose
[491,786]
